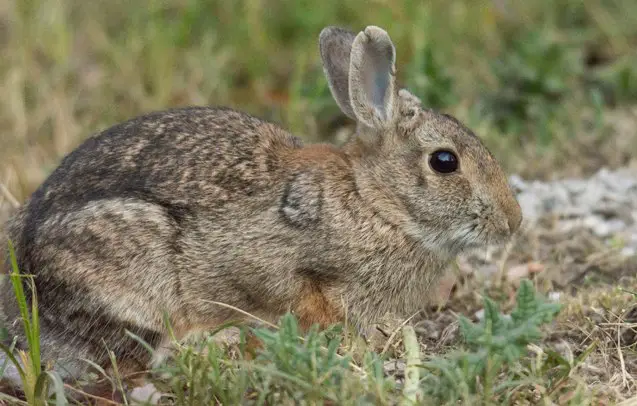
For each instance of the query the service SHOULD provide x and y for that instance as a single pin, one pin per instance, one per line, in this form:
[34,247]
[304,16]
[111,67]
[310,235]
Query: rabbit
[174,212]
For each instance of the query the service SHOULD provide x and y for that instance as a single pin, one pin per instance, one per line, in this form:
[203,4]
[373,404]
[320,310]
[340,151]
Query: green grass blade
[116,375]
[141,341]
[14,360]
[41,388]
[19,290]
[34,342]
[98,369]
[30,321]
[6,363]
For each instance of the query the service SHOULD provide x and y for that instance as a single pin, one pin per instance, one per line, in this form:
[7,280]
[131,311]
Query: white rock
[147,393]
[554,296]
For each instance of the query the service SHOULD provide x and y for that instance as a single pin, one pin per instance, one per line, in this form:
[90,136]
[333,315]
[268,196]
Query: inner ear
[377,80]
[372,77]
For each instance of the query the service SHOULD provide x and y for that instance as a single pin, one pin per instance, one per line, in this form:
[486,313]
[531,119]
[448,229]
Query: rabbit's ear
[360,70]
[335,47]
[372,78]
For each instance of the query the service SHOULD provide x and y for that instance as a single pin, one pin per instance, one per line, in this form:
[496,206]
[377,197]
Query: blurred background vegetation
[550,85]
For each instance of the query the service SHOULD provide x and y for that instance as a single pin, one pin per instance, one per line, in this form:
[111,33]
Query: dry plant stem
[629,402]
[10,400]
[412,375]
[621,360]
[88,395]
[393,333]
[9,196]
[505,256]
[242,312]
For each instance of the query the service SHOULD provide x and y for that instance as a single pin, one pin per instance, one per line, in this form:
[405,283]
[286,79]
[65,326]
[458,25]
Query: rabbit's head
[421,170]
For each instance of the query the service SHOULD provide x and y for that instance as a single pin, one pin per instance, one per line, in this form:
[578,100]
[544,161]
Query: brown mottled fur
[170,211]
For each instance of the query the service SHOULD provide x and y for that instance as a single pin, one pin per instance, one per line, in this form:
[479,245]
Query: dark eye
[443,161]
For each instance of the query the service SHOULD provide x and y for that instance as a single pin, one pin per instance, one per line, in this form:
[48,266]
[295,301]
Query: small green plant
[205,374]
[617,81]
[311,367]
[493,345]
[317,368]
[289,368]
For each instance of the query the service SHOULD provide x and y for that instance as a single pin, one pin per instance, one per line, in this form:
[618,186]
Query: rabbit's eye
[443,161]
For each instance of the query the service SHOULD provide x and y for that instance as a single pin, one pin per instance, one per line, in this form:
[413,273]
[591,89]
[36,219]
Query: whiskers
[475,235]
[467,236]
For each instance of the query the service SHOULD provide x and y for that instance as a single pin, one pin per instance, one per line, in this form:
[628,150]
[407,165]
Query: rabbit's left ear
[372,80]
[336,47]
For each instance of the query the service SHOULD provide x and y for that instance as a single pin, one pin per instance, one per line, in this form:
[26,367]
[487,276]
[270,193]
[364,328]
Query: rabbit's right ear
[335,45]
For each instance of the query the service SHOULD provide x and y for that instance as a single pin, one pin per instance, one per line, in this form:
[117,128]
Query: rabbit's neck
[401,279]
[391,269]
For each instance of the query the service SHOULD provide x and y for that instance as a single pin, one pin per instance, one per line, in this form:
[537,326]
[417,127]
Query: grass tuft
[34,380]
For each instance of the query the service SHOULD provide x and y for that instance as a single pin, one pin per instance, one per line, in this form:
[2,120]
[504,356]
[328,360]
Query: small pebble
[395,366]
[427,329]
[147,393]
[554,296]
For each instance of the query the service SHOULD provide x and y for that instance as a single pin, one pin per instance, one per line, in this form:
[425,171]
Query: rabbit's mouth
[476,235]
[448,241]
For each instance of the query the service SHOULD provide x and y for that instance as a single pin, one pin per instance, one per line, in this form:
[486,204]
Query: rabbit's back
[197,156]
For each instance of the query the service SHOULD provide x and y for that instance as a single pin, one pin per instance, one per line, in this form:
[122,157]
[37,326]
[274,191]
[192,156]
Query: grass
[550,86]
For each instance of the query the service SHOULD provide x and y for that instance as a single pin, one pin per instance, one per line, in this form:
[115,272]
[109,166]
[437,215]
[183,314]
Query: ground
[550,86]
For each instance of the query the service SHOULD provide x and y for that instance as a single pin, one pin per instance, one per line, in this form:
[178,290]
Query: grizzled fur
[170,211]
